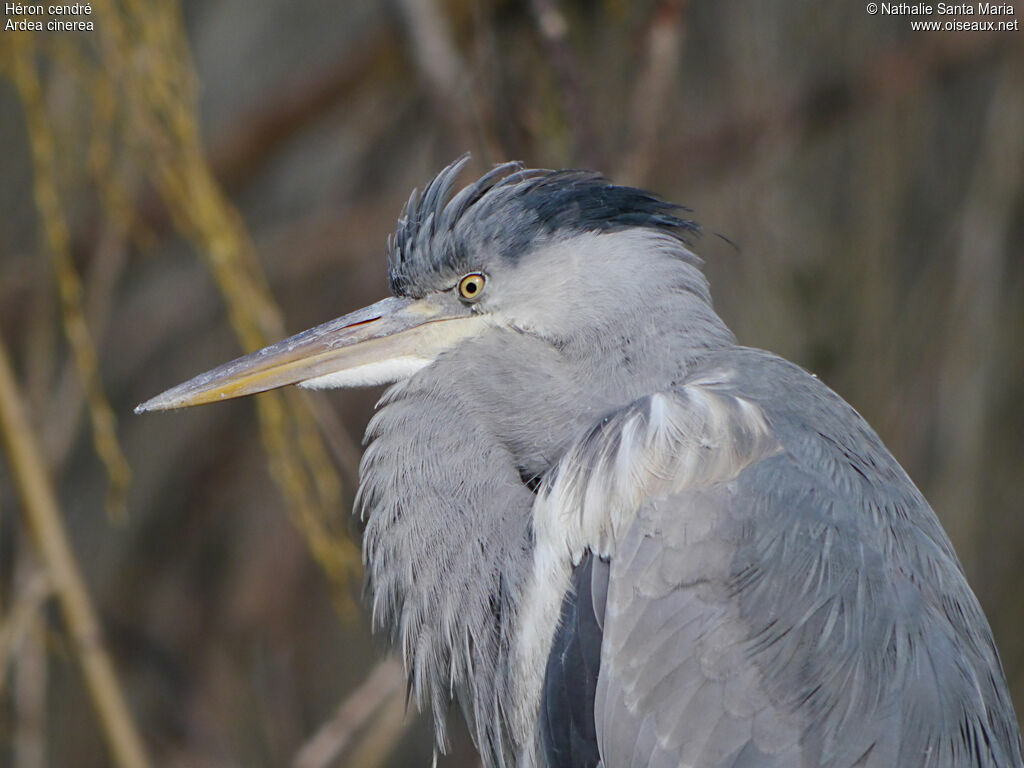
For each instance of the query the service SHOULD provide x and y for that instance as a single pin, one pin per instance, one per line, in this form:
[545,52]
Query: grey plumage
[760,581]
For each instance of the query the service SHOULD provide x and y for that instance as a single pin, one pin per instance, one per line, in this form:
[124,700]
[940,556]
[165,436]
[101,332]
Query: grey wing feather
[807,611]
[666,671]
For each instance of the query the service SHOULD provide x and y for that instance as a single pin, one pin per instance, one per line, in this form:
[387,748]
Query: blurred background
[191,180]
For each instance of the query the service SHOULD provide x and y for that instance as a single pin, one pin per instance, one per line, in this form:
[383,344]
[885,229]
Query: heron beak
[382,343]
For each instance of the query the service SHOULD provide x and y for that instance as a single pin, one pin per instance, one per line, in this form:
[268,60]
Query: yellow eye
[471,286]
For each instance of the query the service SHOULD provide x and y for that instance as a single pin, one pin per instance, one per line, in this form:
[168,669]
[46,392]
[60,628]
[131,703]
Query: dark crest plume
[507,212]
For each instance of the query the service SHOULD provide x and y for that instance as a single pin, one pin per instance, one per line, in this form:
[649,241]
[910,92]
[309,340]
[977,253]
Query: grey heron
[613,535]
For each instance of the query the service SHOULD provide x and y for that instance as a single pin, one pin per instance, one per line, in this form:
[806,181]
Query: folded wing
[778,593]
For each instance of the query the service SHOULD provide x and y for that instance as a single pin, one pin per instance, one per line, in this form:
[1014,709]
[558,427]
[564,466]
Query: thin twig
[44,520]
[62,422]
[241,149]
[381,737]
[113,177]
[982,262]
[30,700]
[343,447]
[164,109]
[29,598]
[554,30]
[712,151]
[291,106]
[29,691]
[384,683]
[441,67]
[663,42]
[42,143]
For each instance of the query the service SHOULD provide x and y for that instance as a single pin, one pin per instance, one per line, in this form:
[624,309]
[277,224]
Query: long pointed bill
[381,343]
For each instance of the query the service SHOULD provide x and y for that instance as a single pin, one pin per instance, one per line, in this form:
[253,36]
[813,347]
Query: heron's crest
[509,211]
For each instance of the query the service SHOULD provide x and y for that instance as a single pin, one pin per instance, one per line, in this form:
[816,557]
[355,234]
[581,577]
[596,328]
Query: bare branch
[384,684]
[44,520]
[663,43]
[441,67]
[293,105]
[381,737]
[730,143]
[28,599]
[41,141]
[982,262]
[30,681]
[554,29]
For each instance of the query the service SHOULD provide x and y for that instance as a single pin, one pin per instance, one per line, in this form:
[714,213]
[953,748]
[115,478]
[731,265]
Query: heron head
[542,252]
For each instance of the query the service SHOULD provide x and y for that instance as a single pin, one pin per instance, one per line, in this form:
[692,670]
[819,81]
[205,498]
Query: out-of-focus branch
[982,260]
[381,737]
[29,689]
[109,172]
[26,80]
[384,684]
[729,143]
[30,700]
[44,521]
[163,109]
[243,147]
[29,598]
[157,101]
[61,424]
[554,30]
[293,105]
[444,72]
[663,42]
[343,447]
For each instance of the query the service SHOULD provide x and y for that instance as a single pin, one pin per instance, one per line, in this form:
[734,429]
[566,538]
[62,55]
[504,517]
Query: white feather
[370,374]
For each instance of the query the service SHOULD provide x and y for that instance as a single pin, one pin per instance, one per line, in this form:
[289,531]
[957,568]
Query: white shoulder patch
[699,434]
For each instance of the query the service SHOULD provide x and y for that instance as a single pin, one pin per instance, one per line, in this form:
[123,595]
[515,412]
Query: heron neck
[543,402]
[646,348]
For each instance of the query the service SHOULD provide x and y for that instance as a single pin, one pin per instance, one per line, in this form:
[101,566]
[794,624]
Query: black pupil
[471,286]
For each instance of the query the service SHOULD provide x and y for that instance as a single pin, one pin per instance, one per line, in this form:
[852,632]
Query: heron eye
[471,286]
